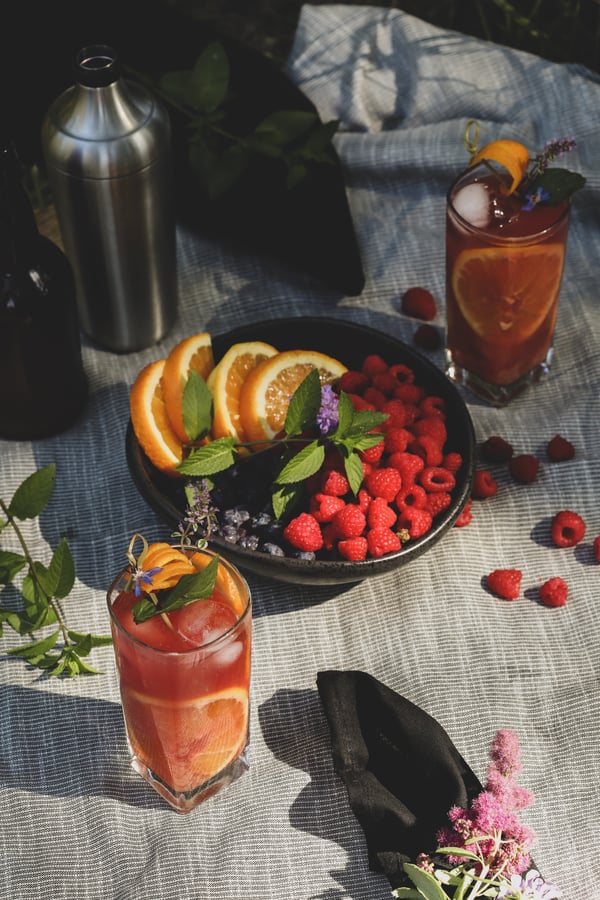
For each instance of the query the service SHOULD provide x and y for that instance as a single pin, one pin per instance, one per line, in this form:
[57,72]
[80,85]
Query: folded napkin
[401,770]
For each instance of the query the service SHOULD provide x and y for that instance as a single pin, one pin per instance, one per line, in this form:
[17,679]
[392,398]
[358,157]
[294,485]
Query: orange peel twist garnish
[511,155]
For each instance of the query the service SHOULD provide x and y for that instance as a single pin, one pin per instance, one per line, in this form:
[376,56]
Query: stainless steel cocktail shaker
[106,144]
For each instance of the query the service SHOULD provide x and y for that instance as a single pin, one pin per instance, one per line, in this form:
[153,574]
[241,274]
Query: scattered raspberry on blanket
[416,521]
[524,468]
[505,583]
[484,485]
[596,547]
[324,506]
[418,303]
[353,549]
[560,449]
[496,449]
[385,482]
[382,540]
[427,337]
[567,529]
[304,533]
[466,516]
[554,592]
[350,521]
[380,514]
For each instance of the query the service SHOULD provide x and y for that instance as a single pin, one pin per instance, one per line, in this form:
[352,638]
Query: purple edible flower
[533,199]
[328,416]
[530,886]
[142,578]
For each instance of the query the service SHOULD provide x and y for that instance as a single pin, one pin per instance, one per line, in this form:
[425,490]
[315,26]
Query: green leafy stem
[354,432]
[218,158]
[42,588]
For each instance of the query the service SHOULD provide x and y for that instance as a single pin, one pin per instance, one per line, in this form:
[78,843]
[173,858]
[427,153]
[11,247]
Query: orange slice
[511,155]
[171,562]
[187,742]
[480,281]
[192,354]
[225,383]
[150,420]
[232,590]
[268,389]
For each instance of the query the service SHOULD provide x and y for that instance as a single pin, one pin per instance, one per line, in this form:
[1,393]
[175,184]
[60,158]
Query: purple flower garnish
[141,579]
[534,199]
[328,416]
[530,886]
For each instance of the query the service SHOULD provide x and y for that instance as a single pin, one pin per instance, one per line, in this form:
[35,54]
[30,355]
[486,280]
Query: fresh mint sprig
[352,433]
[62,652]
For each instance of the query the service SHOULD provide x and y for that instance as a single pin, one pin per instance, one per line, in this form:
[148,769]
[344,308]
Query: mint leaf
[211,458]
[285,498]
[59,578]
[304,464]
[304,404]
[10,565]
[198,586]
[428,886]
[33,494]
[197,407]
[346,415]
[35,649]
[354,472]
[559,183]
[366,420]
[204,87]
[94,640]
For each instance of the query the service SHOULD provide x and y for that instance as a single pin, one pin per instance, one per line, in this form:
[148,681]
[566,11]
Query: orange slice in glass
[268,389]
[192,354]
[150,421]
[187,742]
[511,155]
[225,384]
[505,294]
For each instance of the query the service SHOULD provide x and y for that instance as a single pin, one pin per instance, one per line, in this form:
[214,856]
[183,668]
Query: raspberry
[359,402]
[353,549]
[413,495]
[433,406]
[324,506]
[437,503]
[380,514]
[496,449]
[452,462]
[350,521]
[385,482]
[567,529]
[409,392]
[334,483]
[352,382]
[384,382]
[372,455]
[435,478]
[465,517]
[416,521]
[402,373]
[560,449]
[432,426]
[374,365]
[408,464]
[484,485]
[596,546]
[554,592]
[426,446]
[524,468]
[382,540]
[427,337]
[419,303]
[396,439]
[364,500]
[304,533]
[372,395]
[505,583]
[396,410]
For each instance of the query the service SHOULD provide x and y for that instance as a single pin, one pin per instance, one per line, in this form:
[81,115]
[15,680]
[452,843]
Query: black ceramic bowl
[349,343]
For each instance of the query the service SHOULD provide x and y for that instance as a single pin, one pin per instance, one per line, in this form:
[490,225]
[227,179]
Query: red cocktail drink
[504,267]
[184,680]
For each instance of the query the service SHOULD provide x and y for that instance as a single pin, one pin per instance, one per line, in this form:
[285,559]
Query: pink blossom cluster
[490,826]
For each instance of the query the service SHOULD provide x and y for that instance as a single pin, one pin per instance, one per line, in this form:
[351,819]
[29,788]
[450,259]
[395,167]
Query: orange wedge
[232,590]
[268,389]
[192,354]
[511,155]
[150,420]
[225,384]
[479,281]
[186,742]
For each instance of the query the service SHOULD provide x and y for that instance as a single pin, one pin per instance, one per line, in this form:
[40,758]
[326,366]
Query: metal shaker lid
[97,65]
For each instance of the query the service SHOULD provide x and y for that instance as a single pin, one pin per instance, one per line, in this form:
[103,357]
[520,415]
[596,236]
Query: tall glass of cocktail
[504,265]
[184,673]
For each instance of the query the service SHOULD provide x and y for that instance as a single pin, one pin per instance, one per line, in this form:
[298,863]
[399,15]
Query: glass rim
[534,237]
[233,571]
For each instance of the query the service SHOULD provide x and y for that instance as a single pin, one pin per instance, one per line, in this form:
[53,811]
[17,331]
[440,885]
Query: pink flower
[506,753]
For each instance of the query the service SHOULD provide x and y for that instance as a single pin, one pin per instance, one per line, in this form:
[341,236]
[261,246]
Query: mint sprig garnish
[62,651]
[304,447]
[198,586]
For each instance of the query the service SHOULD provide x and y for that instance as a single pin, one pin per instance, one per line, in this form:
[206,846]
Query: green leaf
[95,640]
[38,612]
[304,464]
[458,851]
[197,407]
[317,146]
[427,884]
[219,172]
[209,459]
[11,618]
[33,494]
[346,415]
[559,183]
[285,498]
[304,404]
[205,86]
[58,580]
[286,125]
[190,587]
[354,472]
[35,648]
[10,565]
[365,420]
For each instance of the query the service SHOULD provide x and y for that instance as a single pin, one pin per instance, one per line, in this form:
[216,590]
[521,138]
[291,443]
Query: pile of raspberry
[408,477]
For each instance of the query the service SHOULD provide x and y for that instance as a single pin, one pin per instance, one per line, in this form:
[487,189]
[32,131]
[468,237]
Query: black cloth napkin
[401,770]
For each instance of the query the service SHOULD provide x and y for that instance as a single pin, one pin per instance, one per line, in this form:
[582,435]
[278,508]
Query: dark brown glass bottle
[42,382]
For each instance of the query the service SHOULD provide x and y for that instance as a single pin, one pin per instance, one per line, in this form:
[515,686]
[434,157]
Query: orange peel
[511,155]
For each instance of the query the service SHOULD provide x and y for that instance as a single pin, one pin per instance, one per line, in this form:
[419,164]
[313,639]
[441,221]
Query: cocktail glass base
[185,801]
[496,394]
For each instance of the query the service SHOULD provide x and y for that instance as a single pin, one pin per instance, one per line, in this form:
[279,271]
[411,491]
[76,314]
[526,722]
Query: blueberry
[271,549]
